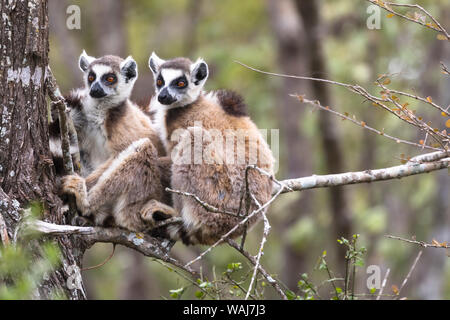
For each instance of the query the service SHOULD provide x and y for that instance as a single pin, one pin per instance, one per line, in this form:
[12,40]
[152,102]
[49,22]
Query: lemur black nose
[165,98]
[97,91]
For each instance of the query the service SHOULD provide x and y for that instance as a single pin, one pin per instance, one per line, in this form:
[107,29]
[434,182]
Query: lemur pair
[128,187]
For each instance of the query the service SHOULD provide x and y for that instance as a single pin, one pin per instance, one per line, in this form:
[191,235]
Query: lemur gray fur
[123,181]
[180,104]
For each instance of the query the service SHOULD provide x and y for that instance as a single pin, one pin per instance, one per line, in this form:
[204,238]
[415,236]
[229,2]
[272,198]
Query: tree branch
[436,26]
[396,172]
[435,244]
[142,243]
[253,261]
[3,231]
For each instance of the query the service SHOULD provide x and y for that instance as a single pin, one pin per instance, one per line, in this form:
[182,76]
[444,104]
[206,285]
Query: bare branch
[362,124]
[443,245]
[334,180]
[430,157]
[383,284]
[252,260]
[230,232]
[410,272]
[143,243]
[260,253]
[205,205]
[399,111]
[444,69]
[436,26]
[65,126]
[3,231]
[59,102]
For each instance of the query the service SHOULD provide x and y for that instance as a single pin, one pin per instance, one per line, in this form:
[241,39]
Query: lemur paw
[154,211]
[82,221]
[76,185]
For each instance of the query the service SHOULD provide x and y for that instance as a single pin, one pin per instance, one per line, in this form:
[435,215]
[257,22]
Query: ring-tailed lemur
[123,174]
[105,119]
[180,104]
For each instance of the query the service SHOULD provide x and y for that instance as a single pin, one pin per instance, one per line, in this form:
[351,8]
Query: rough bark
[25,161]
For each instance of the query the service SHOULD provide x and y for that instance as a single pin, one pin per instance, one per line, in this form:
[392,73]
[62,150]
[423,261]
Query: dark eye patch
[91,77]
[160,81]
[109,78]
[180,80]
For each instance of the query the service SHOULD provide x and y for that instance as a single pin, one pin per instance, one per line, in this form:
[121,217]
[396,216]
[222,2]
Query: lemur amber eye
[110,79]
[91,78]
[181,84]
[159,83]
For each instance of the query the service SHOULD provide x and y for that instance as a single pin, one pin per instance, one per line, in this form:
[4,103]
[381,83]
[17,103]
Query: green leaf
[290,295]
[176,293]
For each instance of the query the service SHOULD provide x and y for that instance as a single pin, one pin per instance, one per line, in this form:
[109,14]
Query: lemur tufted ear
[155,63]
[129,68]
[199,72]
[85,61]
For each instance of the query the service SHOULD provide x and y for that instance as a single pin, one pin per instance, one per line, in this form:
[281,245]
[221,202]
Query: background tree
[25,160]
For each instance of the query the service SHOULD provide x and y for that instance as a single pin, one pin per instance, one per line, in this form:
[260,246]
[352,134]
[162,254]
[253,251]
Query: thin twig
[265,274]
[260,253]
[104,262]
[386,6]
[410,272]
[362,124]
[192,281]
[3,231]
[403,114]
[205,205]
[443,245]
[383,284]
[59,102]
[230,232]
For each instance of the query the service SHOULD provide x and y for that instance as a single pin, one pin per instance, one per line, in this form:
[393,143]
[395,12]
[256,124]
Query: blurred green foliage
[25,264]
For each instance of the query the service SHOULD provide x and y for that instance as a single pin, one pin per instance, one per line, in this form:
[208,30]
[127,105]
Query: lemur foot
[76,186]
[82,222]
[154,211]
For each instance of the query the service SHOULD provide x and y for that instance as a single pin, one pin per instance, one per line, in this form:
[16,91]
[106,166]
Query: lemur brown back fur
[220,185]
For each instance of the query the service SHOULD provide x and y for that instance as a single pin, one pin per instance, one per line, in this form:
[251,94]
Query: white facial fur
[186,95]
[116,93]
[183,97]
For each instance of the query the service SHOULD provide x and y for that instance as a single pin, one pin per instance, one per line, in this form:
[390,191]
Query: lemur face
[178,82]
[109,77]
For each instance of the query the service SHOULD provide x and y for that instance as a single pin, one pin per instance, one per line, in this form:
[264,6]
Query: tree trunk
[329,134]
[288,31]
[109,27]
[25,160]
[67,44]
